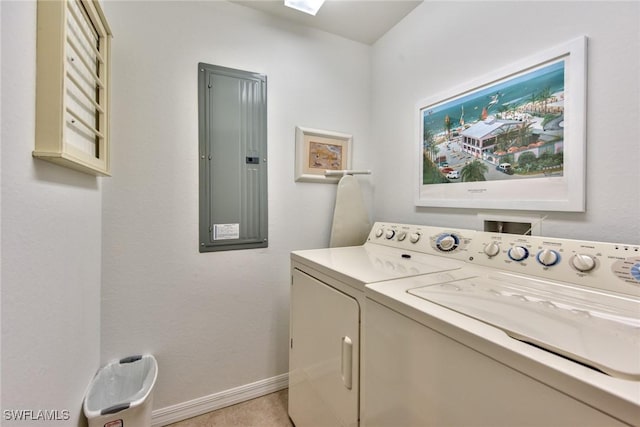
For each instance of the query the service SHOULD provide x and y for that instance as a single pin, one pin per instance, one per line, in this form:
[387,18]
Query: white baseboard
[202,405]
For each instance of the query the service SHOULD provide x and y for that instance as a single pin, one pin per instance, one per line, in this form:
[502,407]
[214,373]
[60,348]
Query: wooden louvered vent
[72,85]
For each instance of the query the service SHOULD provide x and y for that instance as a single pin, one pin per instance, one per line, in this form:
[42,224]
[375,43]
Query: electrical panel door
[233,158]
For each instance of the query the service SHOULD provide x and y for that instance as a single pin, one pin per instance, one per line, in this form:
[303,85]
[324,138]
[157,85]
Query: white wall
[51,250]
[215,321]
[442,45]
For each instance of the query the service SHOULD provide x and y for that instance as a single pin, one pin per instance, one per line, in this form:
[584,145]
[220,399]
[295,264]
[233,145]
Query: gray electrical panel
[232,116]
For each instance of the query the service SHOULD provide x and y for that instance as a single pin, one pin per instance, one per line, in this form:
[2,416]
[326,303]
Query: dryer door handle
[347,362]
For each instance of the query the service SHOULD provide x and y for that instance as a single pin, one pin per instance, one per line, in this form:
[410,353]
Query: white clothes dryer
[327,300]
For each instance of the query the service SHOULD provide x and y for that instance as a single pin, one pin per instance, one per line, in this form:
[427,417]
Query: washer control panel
[609,266]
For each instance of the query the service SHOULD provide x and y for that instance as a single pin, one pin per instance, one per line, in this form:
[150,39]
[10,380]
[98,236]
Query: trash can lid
[122,384]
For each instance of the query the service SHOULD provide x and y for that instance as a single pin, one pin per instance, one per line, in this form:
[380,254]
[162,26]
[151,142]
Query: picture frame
[318,151]
[511,139]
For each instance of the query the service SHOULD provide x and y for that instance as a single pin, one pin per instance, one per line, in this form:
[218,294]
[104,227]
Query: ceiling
[364,21]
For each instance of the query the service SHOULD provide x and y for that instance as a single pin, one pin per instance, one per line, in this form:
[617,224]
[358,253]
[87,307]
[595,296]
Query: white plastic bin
[121,393]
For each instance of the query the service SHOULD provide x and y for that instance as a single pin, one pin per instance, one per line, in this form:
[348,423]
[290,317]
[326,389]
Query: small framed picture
[318,151]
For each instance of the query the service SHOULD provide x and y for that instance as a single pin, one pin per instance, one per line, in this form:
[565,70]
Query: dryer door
[323,355]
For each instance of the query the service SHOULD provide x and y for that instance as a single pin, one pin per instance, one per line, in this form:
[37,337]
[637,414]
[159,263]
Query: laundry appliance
[529,331]
[327,300]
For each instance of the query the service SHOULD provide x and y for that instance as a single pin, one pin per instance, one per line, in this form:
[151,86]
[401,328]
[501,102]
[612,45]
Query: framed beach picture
[514,139]
[318,151]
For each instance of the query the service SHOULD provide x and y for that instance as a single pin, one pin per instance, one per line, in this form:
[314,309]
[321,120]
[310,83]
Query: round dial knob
[548,257]
[379,232]
[635,271]
[518,253]
[389,234]
[414,237]
[582,262]
[492,249]
[447,242]
[401,236]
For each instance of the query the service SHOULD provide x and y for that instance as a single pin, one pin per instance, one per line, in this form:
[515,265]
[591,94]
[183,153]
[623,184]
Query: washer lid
[598,329]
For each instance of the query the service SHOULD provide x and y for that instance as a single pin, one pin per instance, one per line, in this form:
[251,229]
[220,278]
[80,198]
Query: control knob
[492,249]
[447,242]
[414,237]
[379,232]
[402,235]
[389,234]
[582,262]
[548,257]
[518,253]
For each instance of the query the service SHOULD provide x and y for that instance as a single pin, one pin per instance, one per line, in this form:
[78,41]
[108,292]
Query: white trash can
[121,393]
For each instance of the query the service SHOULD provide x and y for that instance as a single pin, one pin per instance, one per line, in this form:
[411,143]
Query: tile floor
[265,411]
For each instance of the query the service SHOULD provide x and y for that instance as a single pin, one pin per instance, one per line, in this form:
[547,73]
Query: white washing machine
[327,298]
[531,331]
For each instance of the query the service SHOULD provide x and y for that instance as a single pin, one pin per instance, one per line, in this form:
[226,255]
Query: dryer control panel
[601,265]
